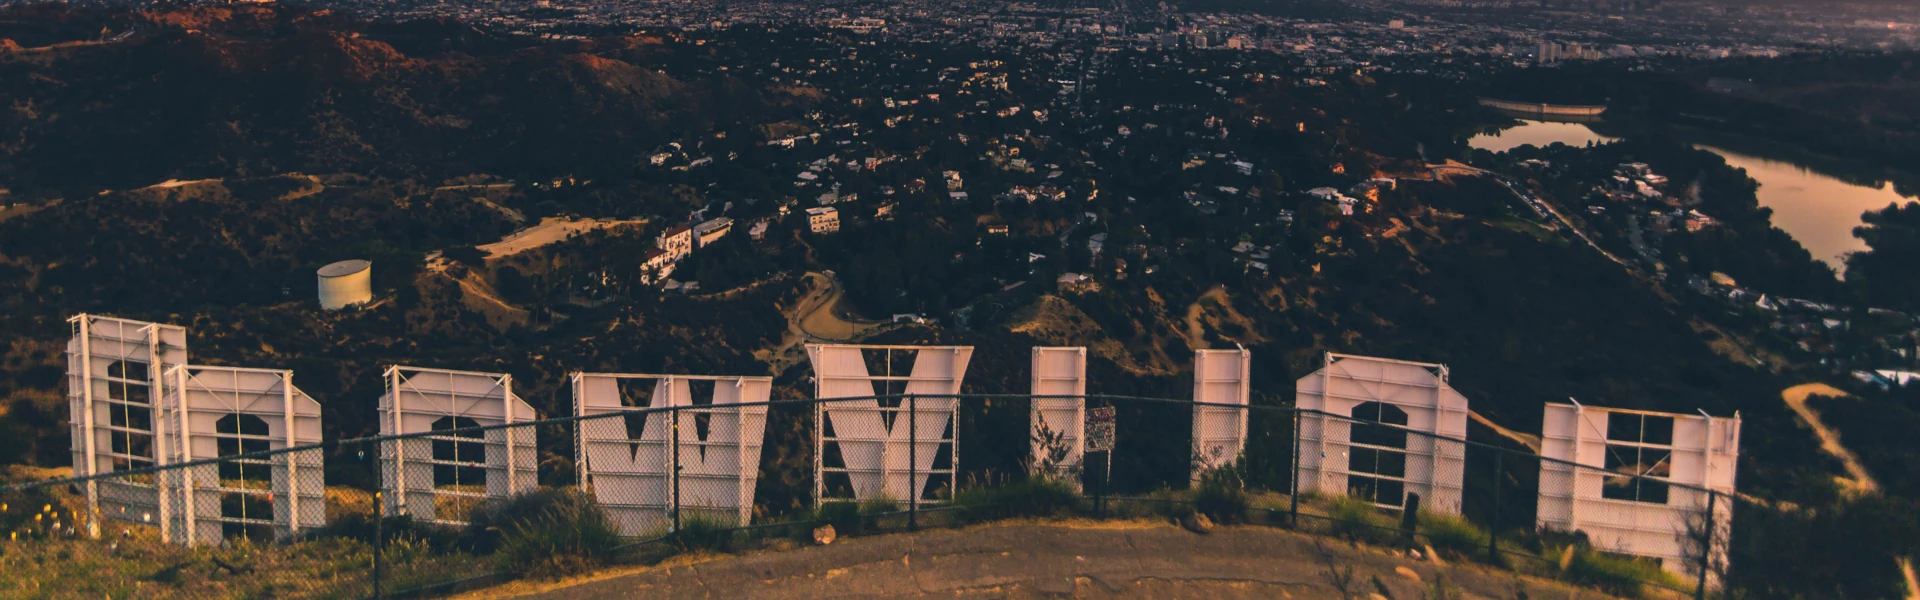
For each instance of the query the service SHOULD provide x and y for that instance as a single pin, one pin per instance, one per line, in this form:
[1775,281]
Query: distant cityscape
[1366,34]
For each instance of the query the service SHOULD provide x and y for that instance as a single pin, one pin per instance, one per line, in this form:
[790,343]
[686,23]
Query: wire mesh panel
[870,446]
[1637,482]
[1058,425]
[115,395]
[627,458]
[227,411]
[624,460]
[1381,429]
[1219,433]
[719,454]
[441,477]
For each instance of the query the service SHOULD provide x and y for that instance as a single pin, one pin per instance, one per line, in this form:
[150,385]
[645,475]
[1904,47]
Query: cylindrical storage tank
[346,283]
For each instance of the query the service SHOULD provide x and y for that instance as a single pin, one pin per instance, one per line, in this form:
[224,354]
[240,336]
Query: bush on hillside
[548,534]
[1222,496]
[1618,575]
[1357,519]
[1452,533]
[1034,496]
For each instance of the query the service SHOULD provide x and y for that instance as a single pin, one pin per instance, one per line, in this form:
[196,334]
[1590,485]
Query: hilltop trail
[1858,480]
[809,315]
[1076,559]
[818,318]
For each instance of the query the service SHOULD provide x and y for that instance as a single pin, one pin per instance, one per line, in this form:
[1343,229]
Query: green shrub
[1222,496]
[698,533]
[1036,496]
[1357,519]
[568,534]
[1617,575]
[489,522]
[1451,533]
[879,505]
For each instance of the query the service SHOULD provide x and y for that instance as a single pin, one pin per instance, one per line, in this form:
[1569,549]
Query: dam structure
[1544,109]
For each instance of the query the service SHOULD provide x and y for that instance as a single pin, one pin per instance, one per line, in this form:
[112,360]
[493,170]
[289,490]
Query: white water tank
[346,283]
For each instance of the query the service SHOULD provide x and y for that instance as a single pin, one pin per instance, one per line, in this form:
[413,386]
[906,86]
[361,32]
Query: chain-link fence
[455,506]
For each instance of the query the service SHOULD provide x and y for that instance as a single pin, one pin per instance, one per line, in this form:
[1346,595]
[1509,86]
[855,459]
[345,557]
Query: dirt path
[550,230]
[819,320]
[1049,560]
[18,210]
[174,183]
[779,358]
[1913,581]
[1858,480]
[811,319]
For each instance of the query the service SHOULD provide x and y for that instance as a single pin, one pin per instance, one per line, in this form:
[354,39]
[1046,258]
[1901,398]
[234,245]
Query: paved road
[1035,560]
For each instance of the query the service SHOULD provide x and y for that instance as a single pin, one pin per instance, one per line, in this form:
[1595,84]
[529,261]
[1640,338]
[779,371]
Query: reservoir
[1818,210]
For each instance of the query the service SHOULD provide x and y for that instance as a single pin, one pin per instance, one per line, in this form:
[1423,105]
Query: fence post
[1293,477]
[1706,545]
[674,414]
[913,461]
[1493,528]
[379,515]
[1106,475]
[379,540]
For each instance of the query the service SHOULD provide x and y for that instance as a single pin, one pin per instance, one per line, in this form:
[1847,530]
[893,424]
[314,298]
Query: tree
[1884,273]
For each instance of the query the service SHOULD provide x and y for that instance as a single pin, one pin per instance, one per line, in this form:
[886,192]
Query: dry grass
[144,567]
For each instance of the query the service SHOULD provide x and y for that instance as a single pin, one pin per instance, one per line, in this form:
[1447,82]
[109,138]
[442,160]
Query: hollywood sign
[628,464]
[460,453]
[1058,420]
[887,428]
[1631,480]
[1356,440]
[862,443]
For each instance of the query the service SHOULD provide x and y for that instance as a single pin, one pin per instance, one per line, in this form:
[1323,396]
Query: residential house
[677,243]
[823,219]
[1075,283]
[711,231]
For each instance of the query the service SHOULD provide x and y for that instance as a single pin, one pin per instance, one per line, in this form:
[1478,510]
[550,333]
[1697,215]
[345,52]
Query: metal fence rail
[422,513]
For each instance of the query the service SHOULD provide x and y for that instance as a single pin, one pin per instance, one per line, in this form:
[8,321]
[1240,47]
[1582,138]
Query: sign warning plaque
[1100,429]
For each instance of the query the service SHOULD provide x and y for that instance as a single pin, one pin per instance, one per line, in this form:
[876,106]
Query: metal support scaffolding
[913,458]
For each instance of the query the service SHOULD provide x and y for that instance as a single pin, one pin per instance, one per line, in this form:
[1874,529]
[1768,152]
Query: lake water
[1540,134]
[1818,210]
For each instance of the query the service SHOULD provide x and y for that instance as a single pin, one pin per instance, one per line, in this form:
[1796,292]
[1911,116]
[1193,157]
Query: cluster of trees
[1884,274]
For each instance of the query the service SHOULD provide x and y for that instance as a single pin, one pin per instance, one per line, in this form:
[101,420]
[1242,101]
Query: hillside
[212,91]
